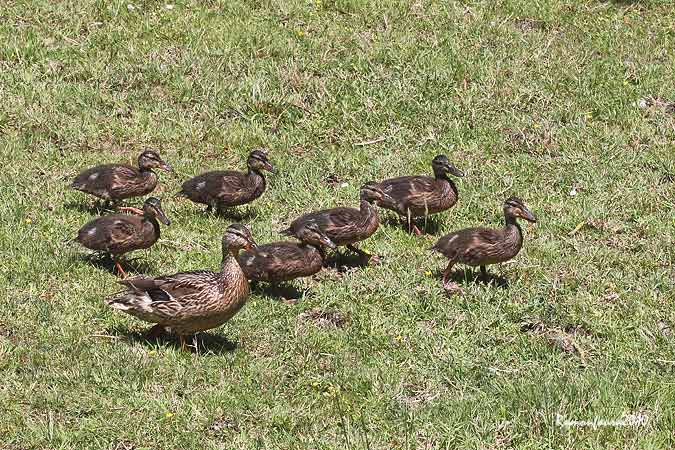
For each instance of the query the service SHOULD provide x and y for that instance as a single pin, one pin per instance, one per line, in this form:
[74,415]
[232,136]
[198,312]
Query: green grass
[529,98]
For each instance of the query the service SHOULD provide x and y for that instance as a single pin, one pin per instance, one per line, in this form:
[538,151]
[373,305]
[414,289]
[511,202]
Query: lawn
[567,104]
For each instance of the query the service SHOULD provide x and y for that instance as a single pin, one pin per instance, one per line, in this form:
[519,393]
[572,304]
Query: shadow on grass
[432,225]
[205,342]
[94,209]
[344,260]
[235,214]
[470,276]
[134,266]
[280,291]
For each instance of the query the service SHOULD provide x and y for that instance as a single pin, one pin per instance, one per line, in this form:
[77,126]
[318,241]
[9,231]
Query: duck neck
[368,211]
[452,184]
[229,264]
[512,231]
[149,219]
[256,177]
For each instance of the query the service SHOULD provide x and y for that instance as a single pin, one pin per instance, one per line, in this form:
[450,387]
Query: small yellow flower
[299,33]
[29,220]
[427,273]
[399,338]
[168,414]
[152,353]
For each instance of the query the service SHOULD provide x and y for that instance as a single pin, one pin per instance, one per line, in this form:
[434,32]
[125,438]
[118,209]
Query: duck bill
[328,243]
[162,217]
[527,215]
[455,171]
[165,167]
[386,198]
[269,167]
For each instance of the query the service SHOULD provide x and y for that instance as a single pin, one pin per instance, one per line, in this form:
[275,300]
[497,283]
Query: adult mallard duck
[121,233]
[419,196]
[483,246]
[223,189]
[283,261]
[115,182]
[188,302]
[346,226]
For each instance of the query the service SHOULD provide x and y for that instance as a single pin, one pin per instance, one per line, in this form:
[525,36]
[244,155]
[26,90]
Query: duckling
[483,246]
[285,261]
[222,189]
[189,302]
[419,196]
[121,233]
[346,226]
[116,182]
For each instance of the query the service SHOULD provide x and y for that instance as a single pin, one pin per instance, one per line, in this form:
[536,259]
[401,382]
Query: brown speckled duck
[116,182]
[121,233]
[284,261]
[484,246]
[188,302]
[346,226]
[222,189]
[419,196]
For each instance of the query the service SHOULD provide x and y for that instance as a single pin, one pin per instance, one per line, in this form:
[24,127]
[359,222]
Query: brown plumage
[189,302]
[284,261]
[223,189]
[121,233]
[345,226]
[419,196]
[484,246]
[115,182]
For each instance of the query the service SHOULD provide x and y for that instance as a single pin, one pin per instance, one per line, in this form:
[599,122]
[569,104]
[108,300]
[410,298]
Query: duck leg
[120,271]
[412,227]
[483,273]
[450,286]
[181,341]
[195,343]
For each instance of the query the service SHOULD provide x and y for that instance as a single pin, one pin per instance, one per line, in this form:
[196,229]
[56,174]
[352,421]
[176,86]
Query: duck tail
[287,232]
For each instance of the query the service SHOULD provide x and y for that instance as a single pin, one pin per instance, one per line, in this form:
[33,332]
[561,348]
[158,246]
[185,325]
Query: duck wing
[337,223]
[407,190]
[228,187]
[164,298]
[276,260]
[468,244]
[106,180]
[116,233]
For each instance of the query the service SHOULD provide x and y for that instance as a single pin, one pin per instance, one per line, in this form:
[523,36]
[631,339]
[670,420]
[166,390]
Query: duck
[420,196]
[484,246]
[186,303]
[228,188]
[286,260]
[116,182]
[346,226]
[119,234]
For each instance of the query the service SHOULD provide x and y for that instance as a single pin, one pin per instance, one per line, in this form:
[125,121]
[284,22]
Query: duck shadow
[344,261]
[206,342]
[475,277]
[280,291]
[233,214]
[105,262]
[93,209]
[432,225]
